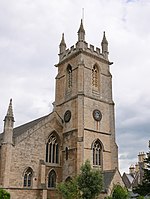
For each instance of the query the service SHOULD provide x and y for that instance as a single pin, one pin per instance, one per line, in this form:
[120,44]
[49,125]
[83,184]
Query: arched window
[97,153]
[95,77]
[67,153]
[52,149]
[68,179]
[52,179]
[69,76]
[28,175]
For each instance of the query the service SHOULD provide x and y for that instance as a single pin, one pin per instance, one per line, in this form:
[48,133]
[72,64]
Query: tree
[87,185]
[144,188]
[89,181]
[118,193]
[69,189]
[4,194]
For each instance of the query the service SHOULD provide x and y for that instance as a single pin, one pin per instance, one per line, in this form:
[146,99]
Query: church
[37,155]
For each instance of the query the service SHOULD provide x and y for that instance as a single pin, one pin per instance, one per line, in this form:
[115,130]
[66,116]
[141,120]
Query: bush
[4,194]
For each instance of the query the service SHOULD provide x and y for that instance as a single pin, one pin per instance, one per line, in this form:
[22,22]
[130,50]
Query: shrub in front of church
[4,194]
[119,193]
[88,184]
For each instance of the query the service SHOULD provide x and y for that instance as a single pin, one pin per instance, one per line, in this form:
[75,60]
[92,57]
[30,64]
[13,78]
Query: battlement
[81,46]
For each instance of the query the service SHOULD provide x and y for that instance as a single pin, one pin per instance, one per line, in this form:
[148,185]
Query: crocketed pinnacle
[104,40]
[9,112]
[81,29]
[81,32]
[63,40]
[62,46]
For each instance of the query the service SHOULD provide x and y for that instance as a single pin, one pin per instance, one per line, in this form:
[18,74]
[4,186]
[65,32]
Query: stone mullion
[52,153]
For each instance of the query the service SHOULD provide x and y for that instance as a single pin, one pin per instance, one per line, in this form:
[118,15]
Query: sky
[30,33]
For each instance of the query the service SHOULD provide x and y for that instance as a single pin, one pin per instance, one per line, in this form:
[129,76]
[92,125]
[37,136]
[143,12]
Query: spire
[62,46]
[8,124]
[9,114]
[81,32]
[10,111]
[104,45]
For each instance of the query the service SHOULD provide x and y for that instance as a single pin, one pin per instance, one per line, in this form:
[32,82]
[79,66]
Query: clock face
[97,115]
[67,116]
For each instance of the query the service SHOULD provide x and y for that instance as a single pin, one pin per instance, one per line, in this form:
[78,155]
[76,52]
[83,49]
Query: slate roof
[22,128]
[107,178]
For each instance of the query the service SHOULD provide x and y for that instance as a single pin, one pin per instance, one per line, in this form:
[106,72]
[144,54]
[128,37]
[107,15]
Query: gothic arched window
[69,76]
[97,153]
[28,176]
[67,152]
[52,149]
[95,77]
[52,179]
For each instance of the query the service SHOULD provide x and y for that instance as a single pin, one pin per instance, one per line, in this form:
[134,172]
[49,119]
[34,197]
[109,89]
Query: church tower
[84,102]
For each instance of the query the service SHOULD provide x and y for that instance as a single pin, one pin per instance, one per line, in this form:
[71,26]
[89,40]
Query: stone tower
[84,102]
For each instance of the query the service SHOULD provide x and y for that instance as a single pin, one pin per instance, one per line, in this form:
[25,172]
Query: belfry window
[95,77]
[28,175]
[69,76]
[97,153]
[52,179]
[52,150]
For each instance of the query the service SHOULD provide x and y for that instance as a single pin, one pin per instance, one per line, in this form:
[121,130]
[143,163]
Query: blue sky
[30,33]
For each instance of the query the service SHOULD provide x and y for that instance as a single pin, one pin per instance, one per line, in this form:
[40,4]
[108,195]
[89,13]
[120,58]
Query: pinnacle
[81,29]
[104,39]
[62,40]
[10,110]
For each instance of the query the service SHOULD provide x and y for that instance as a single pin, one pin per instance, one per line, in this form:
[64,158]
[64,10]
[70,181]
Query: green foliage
[87,185]
[4,194]
[144,188]
[119,193]
[140,197]
[89,181]
[69,189]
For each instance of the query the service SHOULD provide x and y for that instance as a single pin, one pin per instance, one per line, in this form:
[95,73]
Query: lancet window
[67,152]
[95,77]
[52,149]
[52,179]
[69,76]
[97,149]
[28,176]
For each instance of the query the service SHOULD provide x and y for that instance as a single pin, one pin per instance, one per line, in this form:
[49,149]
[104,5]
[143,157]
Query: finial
[63,40]
[81,29]
[10,111]
[104,41]
[104,45]
[62,46]
[81,32]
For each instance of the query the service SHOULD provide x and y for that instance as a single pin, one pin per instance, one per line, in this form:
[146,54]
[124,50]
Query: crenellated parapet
[83,46]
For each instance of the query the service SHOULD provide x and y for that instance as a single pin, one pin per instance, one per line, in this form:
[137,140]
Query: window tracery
[97,153]
[52,149]
[95,77]
[28,175]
